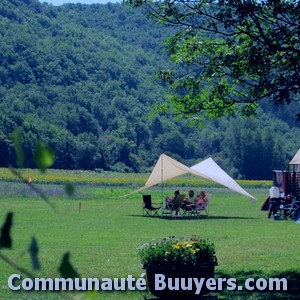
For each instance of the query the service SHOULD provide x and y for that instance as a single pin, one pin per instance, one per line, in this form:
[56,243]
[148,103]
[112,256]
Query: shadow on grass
[229,217]
[292,279]
[195,218]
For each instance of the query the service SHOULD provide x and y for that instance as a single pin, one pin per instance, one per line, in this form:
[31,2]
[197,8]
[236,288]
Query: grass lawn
[103,237]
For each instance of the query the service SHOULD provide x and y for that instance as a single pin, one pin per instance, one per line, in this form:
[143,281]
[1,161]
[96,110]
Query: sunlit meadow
[102,231]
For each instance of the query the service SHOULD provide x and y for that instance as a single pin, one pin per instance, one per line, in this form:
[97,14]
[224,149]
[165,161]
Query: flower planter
[178,268]
[178,282]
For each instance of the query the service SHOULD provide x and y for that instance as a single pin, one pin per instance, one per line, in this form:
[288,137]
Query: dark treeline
[81,78]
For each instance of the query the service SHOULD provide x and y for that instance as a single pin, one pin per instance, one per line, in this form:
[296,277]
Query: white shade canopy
[296,159]
[208,168]
[167,168]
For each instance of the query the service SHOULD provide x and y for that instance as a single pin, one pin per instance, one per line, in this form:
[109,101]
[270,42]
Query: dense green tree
[6,150]
[81,78]
[253,150]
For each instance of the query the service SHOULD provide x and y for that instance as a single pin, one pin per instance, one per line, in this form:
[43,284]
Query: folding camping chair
[291,210]
[173,207]
[148,209]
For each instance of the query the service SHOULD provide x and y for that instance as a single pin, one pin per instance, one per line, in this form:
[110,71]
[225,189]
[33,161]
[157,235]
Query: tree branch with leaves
[44,158]
[231,54]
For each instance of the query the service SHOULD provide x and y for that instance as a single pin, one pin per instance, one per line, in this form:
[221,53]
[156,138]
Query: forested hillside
[82,79]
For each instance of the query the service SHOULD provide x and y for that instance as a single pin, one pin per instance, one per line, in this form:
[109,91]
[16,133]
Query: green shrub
[174,252]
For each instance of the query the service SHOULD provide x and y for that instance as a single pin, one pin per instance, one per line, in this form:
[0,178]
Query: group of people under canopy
[167,168]
[191,201]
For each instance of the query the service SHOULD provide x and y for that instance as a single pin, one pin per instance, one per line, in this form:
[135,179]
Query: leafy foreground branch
[32,187]
[6,242]
[44,158]
[66,269]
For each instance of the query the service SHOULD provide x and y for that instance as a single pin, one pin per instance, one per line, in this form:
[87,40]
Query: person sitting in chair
[188,200]
[170,199]
[201,199]
[192,197]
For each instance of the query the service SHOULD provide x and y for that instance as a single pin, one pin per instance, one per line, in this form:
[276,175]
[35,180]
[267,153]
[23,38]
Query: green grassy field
[103,237]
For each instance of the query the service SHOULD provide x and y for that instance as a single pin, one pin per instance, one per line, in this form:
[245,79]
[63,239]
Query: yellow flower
[183,245]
